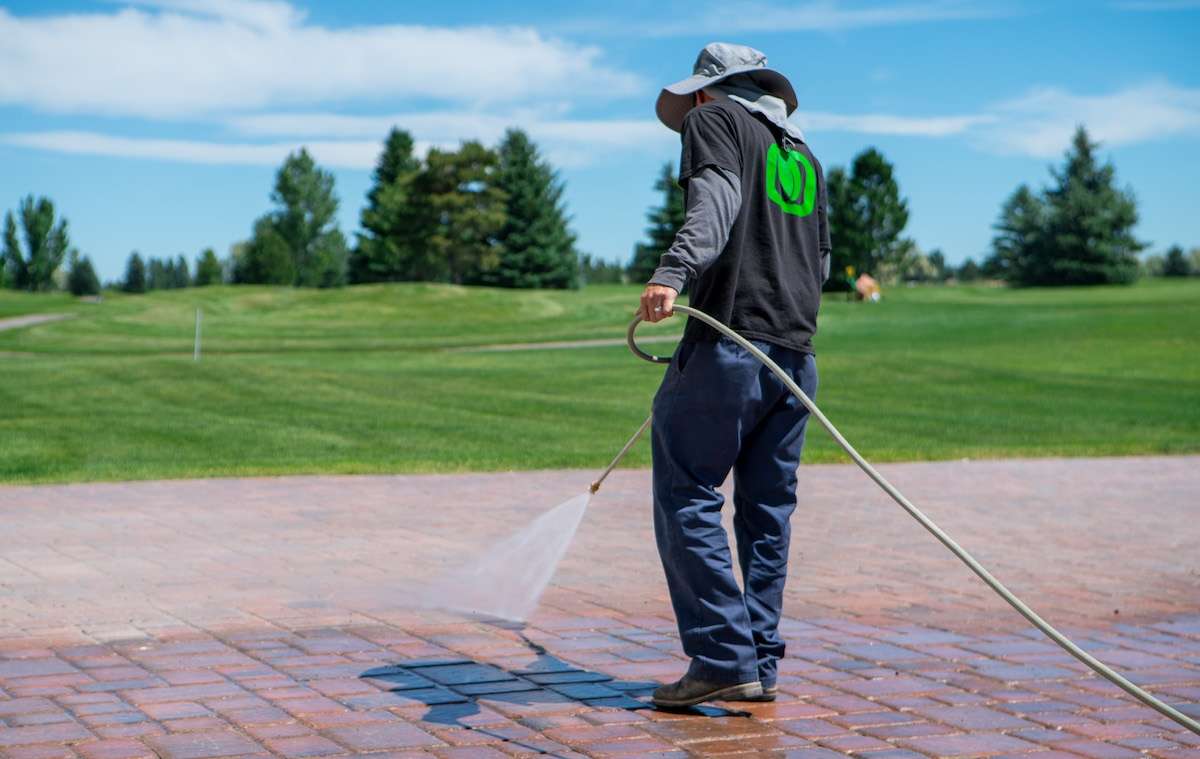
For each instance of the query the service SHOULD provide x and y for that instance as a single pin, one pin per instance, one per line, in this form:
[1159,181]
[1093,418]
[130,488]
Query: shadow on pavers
[452,688]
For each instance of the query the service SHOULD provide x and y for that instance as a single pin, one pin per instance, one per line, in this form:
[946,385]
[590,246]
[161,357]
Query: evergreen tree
[462,211]
[393,234]
[156,274]
[81,276]
[183,277]
[1078,232]
[969,271]
[266,258]
[1019,249]
[208,269]
[1176,264]
[536,248]
[596,272]
[46,245]
[1091,222]
[135,274]
[664,221]
[937,260]
[866,218]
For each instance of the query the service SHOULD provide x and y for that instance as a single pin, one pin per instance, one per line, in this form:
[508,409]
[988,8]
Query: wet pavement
[256,617]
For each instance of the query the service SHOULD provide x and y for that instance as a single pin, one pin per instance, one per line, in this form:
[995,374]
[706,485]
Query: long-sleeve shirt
[754,245]
[713,199]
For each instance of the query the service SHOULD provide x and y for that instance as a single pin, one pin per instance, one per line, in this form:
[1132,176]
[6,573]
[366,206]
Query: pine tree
[46,245]
[462,211]
[156,274]
[969,271]
[81,276]
[180,276]
[265,258]
[1176,264]
[208,269]
[664,221]
[867,216]
[135,274]
[1019,247]
[393,234]
[536,247]
[1091,222]
[1078,232]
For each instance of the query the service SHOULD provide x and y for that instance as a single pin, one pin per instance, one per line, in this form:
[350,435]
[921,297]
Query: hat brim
[675,100]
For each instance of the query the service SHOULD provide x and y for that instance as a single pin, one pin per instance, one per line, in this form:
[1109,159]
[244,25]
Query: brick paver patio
[266,617]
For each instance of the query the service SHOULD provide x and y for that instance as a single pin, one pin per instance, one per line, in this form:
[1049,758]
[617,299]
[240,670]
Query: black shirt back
[766,283]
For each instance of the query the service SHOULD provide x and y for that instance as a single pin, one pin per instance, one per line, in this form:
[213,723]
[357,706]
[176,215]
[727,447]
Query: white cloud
[1156,5]
[1041,123]
[352,154]
[354,142]
[887,124]
[186,58]
[826,16]
[578,136]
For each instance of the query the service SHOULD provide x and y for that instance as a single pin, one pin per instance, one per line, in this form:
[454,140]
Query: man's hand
[658,303]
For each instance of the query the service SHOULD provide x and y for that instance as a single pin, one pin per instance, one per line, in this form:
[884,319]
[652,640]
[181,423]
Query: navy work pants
[719,409]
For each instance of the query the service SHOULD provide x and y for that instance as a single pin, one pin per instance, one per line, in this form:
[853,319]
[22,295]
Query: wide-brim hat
[719,61]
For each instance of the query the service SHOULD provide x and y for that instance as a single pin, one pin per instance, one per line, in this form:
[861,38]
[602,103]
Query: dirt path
[29,320]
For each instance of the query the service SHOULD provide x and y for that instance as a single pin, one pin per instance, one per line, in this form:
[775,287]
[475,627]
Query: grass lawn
[357,380]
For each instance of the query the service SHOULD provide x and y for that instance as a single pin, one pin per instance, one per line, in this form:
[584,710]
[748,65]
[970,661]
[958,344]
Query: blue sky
[157,125]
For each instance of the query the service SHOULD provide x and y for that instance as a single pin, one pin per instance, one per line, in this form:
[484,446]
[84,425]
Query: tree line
[473,216]
[495,216]
[1078,231]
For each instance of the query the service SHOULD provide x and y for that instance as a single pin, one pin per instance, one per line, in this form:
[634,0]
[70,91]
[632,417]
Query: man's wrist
[669,276]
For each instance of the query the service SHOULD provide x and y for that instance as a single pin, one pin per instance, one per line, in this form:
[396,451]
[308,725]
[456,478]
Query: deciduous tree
[32,266]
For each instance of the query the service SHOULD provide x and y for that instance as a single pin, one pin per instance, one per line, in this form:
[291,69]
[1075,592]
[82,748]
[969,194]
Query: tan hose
[1092,662]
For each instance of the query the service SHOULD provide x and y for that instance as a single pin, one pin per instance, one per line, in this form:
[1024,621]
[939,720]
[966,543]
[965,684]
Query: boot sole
[732,693]
[768,694]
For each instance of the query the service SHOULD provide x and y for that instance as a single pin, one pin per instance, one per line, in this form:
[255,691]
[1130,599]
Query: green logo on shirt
[785,185]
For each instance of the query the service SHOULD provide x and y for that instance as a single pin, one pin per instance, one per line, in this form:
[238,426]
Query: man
[755,250]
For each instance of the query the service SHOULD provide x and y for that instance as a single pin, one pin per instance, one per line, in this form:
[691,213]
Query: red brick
[114,749]
[39,751]
[202,745]
[972,744]
[182,693]
[304,745]
[382,735]
[26,706]
[64,732]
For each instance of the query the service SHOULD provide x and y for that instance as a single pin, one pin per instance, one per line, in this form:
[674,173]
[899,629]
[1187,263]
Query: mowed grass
[361,380]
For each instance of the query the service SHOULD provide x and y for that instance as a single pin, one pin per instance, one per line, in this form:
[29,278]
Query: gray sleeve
[823,227]
[714,197]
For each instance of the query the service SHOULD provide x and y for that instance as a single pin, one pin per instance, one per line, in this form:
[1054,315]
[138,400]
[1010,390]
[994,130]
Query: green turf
[356,380]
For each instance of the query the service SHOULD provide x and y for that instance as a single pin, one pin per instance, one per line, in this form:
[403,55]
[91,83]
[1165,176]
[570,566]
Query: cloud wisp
[1041,123]
[1038,124]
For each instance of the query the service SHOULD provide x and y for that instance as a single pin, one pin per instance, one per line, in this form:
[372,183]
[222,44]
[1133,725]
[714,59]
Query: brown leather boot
[688,691]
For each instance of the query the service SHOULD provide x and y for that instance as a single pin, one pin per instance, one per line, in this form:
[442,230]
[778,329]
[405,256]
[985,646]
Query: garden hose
[1092,662]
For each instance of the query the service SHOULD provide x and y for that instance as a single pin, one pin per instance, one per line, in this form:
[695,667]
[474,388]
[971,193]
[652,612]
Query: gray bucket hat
[719,61]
